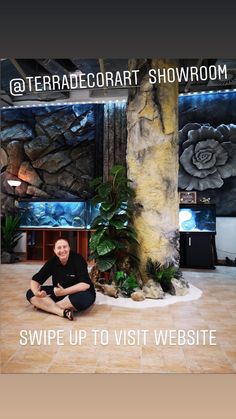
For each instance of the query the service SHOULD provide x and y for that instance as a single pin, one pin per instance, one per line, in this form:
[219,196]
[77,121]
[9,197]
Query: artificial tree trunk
[152,163]
[114,137]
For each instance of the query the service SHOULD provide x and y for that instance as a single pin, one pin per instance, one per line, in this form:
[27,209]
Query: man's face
[62,250]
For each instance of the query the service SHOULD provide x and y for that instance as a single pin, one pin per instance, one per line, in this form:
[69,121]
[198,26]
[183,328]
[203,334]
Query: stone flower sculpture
[207,156]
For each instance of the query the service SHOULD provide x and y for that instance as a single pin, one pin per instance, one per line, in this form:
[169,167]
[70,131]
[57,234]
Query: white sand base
[193,294]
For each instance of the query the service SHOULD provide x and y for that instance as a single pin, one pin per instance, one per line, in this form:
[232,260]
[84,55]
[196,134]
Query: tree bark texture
[115,136]
[152,163]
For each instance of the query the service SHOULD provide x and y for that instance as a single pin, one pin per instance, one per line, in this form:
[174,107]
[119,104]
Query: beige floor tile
[72,369]
[216,309]
[23,368]
[114,370]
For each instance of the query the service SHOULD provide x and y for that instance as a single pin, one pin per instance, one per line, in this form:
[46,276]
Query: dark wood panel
[40,242]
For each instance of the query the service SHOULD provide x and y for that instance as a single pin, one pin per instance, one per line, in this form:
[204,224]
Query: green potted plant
[10,235]
[114,237]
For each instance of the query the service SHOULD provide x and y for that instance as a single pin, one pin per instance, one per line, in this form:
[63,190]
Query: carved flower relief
[207,156]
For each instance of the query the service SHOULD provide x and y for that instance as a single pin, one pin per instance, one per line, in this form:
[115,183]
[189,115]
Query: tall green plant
[114,234]
[10,233]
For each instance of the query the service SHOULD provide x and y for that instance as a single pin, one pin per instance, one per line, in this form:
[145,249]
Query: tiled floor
[216,309]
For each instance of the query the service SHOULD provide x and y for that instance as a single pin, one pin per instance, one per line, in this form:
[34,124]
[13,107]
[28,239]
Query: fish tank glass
[92,212]
[197,218]
[52,214]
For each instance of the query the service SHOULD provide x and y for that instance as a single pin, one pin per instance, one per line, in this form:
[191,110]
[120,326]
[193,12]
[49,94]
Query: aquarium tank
[93,211]
[52,214]
[197,218]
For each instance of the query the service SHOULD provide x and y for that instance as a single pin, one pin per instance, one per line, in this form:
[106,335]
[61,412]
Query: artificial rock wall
[51,149]
[56,150]
[152,163]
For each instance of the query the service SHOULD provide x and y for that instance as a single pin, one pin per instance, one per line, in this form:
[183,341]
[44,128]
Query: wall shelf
[40,242]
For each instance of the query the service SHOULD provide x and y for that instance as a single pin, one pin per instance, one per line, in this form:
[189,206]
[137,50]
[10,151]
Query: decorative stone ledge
[193,294]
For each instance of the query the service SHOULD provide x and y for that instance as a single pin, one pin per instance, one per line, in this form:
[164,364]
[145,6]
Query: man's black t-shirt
[72,273]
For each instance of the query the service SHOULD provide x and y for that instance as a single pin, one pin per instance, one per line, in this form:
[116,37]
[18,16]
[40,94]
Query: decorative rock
[79,152]
[16,115]
[77,186]
[32,190]
[179,287]
[15,151]
[81,188]
[73,170]
[54,145]
[20,132]
[57,122]
[47,220]
[110,290]
[28,174]
[66,180]
[8,257]
[36,151]
[50,179]
[45,110]
[52,163]
[73,140]
[3,158]
[7,204]
[153,290]
[56,193]
[21,190]
[63,179]
[36,147]
[39,130]
[138,295]
[5,257]
[86,165]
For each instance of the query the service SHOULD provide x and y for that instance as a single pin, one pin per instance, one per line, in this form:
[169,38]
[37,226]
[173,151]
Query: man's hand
[59,291]
[41,294]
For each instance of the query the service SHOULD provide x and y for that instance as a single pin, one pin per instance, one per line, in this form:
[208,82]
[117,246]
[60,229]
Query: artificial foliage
[114,238]
[162,274]
[126,283]
[10,234]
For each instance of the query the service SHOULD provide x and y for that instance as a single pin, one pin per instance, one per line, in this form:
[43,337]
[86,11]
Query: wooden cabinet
[35,245]
[40,242]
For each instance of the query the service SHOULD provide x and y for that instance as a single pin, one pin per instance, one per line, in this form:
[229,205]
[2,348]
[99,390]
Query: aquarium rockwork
[197,218]
[53,214]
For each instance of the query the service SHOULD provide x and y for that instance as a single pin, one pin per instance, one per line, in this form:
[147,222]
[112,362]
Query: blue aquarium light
[209,92]
[197,218]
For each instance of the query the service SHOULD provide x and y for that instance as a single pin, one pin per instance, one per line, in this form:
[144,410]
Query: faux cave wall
[56,150]
[152,163]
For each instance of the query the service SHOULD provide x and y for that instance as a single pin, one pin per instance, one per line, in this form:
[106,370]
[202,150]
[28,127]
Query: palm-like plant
[162,273]
[114,234]
[10,233]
